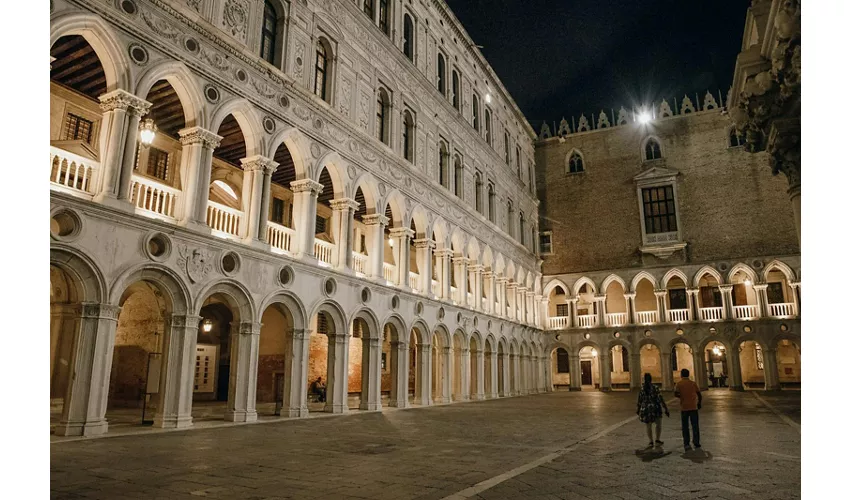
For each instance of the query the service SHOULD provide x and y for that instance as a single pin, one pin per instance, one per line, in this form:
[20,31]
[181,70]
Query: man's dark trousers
[693,416]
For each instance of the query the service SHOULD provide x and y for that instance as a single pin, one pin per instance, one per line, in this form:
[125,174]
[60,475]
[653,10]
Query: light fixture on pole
[147,132]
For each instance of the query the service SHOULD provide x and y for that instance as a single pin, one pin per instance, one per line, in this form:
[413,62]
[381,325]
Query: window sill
[663,250]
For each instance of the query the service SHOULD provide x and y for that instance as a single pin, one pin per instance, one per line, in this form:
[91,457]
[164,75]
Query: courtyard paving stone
[433,453]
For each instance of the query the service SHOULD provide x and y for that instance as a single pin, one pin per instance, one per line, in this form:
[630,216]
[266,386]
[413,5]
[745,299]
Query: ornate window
[522,228]
[157,164]
[458,176]
[507,148]
[518,163]
[407,133]
[576,163]
[658,204]
[384,16]
[382,126]
[736,138]
[408,37]
[441,73]
[488,127]
[323,72]
[479,195]
[530,174]
[491,202]
[455,89]
[369,8]
[475,123]
[443,165]
[511,218]
[268,36]
[652,150]
[659,210]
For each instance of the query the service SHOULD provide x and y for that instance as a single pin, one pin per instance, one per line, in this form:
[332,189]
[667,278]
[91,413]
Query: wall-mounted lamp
[206,326]
[147,132]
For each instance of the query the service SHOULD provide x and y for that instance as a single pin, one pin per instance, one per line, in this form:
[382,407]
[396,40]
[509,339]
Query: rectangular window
[545,243]
[563,361]
[775,294]
[277,210]
[562,310]
[659,210]
[320,224]
[322,323]
[157,164]
[678,298]
[77,128]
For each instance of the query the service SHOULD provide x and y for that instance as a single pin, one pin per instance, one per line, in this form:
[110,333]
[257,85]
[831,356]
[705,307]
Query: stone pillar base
[422,402]
[573,389]
[109,201]
[441,401]
[240,416]
[82,428]
[172,422]
[399,404]
[370,406]
[606,389]
[332,408]
[196,226]
[295,412]
[478,397]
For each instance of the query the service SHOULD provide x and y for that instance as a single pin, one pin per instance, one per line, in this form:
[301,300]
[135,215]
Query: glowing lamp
[487,98]
[644,118]
[207,326]
[147,132]
[748,282]
[392,243]
[593,352]
[716,351]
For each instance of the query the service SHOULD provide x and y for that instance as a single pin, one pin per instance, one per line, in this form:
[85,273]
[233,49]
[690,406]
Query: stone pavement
[559,445]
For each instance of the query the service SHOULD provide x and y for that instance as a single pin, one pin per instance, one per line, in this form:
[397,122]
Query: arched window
[479,195]
[382,126]
[458,177]
[369,8]
[407,135]
[268,38]
[322,70]
[530,174]
[491,203]
[522,228]
[563,360]
[441,74]
[518,163]
[735,138]
[510,218]
[576,163]
[652,150]
[384,16]
[455,89]
[443,165]
[408,36]
[507,148]
[488,127]
[475,112]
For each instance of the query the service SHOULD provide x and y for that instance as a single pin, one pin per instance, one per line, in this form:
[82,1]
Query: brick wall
[730,205]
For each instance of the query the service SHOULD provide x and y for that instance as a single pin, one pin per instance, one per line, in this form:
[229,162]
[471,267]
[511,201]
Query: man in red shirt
[691,401]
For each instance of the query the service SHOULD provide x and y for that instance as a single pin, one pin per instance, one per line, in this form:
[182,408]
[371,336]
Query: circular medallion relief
[268,124]
[241,75]
[129,7]
[157,246]
[212,94]
[441,313]
[395,302]
[138,54]
[230,263]
[329,287]
[616,335]
[587,336]
[283,101]
[419,308]
[365,295]
[679,331]
[191,45]
[647,333]
[286,275]
[65,225]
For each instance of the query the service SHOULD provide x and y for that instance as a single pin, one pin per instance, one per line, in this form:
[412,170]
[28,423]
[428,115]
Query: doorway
[586,376]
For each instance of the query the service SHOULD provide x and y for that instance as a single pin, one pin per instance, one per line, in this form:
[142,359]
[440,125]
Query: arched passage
[788,360]
[327,374]
[560,360]
[650,362]
[618,365]
[459,359]
[490,373]
[717,369]
[366,362]
[441,373]
[422,355]
[681,358]
[589,367]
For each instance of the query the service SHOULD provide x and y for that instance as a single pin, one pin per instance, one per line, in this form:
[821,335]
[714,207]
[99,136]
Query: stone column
[477,272]
[605,369]
[666,371]
[465,373]
[542,306]
[460,273]
[661,305]
[631,317]
[693,303]
[529,307]
[771,371]
[572,307]
[401,253]
[519,299]
[370,396]
[443,255]
[575,372]
[424,248]
[399,366]
[726,298]
[494,375]
[122,112]
[423,375]
[343,231]
[510,291]
[84,412]
[479,375]
[489,284]
[446,396]
[295,378]
[700,376]
[544,314]
[177,375]
[761,298]
[375,224]
[795,288]
[516,388]
[502,292]
[305,195]
[634,367]
[242,389]
[506,374]
[337,390]
[733,359]
[196,169]
[601,309]
[255,199]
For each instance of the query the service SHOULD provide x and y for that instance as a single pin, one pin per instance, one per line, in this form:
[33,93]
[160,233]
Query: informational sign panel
[205,364]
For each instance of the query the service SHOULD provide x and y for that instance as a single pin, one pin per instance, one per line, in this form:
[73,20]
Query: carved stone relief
[235,18]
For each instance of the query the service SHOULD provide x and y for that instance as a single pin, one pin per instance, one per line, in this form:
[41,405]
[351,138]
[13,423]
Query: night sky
[564,57]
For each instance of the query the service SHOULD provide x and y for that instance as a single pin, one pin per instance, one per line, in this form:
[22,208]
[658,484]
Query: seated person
[318,387]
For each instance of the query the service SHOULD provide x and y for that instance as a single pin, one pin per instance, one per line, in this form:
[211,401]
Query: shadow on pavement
[650,454]
[697,456]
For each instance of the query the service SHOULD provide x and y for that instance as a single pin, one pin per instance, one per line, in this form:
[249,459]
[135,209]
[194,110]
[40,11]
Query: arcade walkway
[558,445]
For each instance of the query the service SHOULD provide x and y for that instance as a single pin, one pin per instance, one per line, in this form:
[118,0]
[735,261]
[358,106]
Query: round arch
[335,165]
[297,144]
[397,204]
[335,311]
[83,269]
[240,300]
[369,187]
[423,330]
[168,281]
[397,322]
[100,36]
[292,303]
[371,320]
[184,83]
[246,117]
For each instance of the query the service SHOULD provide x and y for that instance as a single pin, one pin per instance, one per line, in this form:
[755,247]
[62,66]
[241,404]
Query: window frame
[275,35]
[478,178]
[575,154]
[69,117]
[670,239]
[456,86]
[408,46]
[384,17]
[476,122]
[488,126]
[326,56]
[491,202]
[733,132]
[442,88]
[383,113]
[645,144]
[548,234]
[408,131]
[457,174]
[443,163]
[660,196]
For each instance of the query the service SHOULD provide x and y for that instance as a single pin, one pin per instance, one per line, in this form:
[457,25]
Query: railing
[678,315]
[414,281]
[279,237]
[152,197]
[558,322]
[323,250]
[615,319]
[745,312]
[587,320]
[711,313]
[389,272]
[647,317]
[223,219]
[71,173]
[358,260]
[782,309]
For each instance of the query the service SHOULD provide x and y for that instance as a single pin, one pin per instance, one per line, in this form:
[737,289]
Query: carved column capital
[258,163]
[375,219]
[305,185]
[121,99]
[341,204]
[198,135]
[424,243]
[399,232]
[103,311]
[249,328]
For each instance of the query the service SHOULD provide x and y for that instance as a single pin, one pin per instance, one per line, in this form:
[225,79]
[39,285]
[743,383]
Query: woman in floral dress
[649,408]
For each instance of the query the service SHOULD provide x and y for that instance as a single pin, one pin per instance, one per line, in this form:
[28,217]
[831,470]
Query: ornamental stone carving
[235,17]
[121,99]
[196,262]
[160,27]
